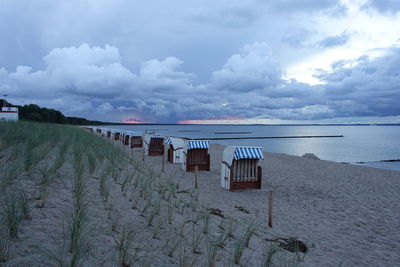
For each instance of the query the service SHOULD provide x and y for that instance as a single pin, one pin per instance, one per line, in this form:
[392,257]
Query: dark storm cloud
[156,28]
[391,6]
[230,14]
[307,5]
[332,41]
[296,37]
[181,60]
[370,88]
[92,81]
[244,13]
[94,78]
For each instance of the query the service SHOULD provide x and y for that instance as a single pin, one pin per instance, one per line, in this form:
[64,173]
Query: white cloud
[105,107]
[164,71]
[254,68]
[92,82]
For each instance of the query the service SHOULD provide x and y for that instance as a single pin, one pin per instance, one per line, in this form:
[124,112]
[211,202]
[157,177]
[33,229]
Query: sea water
[360,144]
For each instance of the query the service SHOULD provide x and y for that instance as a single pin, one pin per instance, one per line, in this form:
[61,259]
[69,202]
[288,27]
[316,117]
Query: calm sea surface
[369,144]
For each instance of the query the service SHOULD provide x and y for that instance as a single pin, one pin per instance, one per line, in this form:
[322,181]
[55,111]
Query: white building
[9,114]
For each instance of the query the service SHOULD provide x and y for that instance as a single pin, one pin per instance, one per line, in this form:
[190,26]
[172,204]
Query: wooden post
[144,152]
[162,162]
[270,209]
[196,170]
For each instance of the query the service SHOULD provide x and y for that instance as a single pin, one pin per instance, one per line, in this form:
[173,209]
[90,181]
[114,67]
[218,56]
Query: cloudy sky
[243,61]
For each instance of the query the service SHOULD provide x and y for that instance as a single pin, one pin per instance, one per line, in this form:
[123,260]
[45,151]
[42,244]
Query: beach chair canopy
[195,144]
[134,134]
[176,142]
[168,141]
[248,153]
[240,152]
[196,154]
[147,139]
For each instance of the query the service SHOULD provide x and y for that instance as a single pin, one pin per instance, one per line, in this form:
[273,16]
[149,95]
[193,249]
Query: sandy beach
[347,215]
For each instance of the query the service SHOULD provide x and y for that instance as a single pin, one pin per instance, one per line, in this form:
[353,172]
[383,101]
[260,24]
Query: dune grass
[126,245]
[171,224]
[10,211]
[4,245]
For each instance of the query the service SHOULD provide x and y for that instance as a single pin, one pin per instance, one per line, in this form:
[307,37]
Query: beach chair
[240,169]
[196,154]
[175,149]
[117,135]
[153,145]
[125,140]
[136,139]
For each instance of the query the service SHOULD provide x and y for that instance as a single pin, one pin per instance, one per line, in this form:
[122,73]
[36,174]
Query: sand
[347,215]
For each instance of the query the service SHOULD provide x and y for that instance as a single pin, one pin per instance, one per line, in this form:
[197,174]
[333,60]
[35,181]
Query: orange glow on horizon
[134,120]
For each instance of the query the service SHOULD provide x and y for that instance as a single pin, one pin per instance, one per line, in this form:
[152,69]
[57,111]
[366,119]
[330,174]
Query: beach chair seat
[198,157]
[117,136]
[126,140]
[136,141]
[156,146]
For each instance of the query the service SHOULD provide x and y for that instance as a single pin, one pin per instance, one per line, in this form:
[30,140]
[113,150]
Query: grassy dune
[72,198]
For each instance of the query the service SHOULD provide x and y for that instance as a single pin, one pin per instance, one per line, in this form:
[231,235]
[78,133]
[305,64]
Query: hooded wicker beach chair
[240,169]
[175,150]
[153,144]
[196,154]
[135,139]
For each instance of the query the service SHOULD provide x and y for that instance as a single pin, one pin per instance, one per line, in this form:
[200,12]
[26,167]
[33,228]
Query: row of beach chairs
[239,167]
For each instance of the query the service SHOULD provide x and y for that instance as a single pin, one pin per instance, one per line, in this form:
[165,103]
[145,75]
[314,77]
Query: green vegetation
[33,112]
